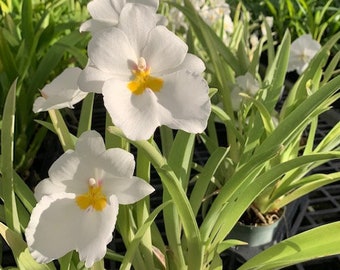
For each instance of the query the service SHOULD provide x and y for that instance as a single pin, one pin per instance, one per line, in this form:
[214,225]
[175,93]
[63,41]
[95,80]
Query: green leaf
[299,248]
[65,137]
[128,258]
[52,58]
[180,156]
[230,193]
[307,185]
[229,243]
[50,127]
[298,92]
[265,115]
[204,178]
[330,141]
[277,73]
[85,120]
[20,250]
[27,23]
[24,193]
[7,145]
[297,120]
[330,70]
[7,62]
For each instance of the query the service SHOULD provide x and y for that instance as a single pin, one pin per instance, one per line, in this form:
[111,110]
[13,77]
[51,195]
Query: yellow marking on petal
[93,198]
[143,80]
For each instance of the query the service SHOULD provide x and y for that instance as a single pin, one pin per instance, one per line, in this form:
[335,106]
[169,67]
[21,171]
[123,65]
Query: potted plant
[254,123]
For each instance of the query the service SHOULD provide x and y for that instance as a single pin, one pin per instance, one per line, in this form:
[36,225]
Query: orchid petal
[91,79]
[90,144]
[117,160]
[52,227]
[110,51]
[62,92]
[69,172]
[58,225]
[185,97]
[95,232]
[164,50]
[104,10]
[151,3]
[47,187]
[136,115]
[94,25]
[135,21]
[127,190]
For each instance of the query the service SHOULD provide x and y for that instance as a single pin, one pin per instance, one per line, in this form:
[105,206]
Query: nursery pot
[257,235]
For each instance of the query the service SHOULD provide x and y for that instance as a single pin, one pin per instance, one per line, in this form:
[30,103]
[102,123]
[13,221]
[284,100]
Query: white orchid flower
[62,92]
[78,204]
[302,50]
[105,13]
[146,76]
[244,84]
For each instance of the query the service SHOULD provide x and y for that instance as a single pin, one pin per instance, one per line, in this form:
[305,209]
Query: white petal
[110,51]
[151,3]
[47,187]
[248,83]
[62,92]
[118,162]
[66,80]
[58,225]
[191,63]
[91,79]
[90,144]
[95,232]
[302,51]
[70,172]
[127,190]
[136,21]
[136,115]
[104,10]
[185,97]
[164,50]
[305,41]
[53,226]
[64,168]
[236,99]
[94,25]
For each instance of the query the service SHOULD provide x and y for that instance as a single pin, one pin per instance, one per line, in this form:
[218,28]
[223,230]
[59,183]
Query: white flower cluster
[147,79]
[141,68]
[213,12]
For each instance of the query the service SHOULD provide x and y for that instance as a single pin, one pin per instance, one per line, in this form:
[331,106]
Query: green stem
[7,144]
[167,139]
[171,183]
[85,120]
[142,210]
[61,130]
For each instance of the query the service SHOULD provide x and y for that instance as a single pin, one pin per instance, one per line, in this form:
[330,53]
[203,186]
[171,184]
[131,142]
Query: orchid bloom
[62,92]
[105,13]
[146,76]
[302,50]
[78,204]
[215,11]
[244,84]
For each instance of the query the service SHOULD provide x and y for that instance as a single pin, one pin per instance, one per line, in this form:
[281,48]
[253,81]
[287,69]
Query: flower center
[93,198]
[143,80]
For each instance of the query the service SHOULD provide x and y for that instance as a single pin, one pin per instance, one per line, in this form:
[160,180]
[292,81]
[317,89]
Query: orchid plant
[152,80]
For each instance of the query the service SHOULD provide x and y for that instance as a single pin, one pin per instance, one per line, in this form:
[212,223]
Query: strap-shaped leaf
[299,248]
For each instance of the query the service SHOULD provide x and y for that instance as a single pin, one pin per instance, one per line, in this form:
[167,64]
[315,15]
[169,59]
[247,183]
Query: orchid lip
[143,80]
[94,198]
